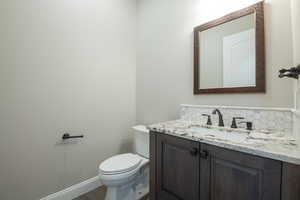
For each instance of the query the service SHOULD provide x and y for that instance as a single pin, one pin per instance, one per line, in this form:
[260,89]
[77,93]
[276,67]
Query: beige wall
[296,44]
[65,65]
[165,56]
[295,5]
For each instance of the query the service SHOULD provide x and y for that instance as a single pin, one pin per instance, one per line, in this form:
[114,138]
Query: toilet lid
[120,163]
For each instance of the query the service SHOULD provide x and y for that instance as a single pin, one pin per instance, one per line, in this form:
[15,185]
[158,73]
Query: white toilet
[126,176]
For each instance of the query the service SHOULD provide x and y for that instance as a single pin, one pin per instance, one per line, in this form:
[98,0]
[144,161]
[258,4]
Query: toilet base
[126,193]
[133,190]
[141,192]
[117,193]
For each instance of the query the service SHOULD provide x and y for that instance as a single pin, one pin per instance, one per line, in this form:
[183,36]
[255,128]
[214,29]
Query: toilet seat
[120,164]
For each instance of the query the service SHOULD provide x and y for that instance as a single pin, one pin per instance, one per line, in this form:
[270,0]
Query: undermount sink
[218,134]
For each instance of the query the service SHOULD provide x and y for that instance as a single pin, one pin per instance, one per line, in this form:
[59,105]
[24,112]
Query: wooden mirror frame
[258,11]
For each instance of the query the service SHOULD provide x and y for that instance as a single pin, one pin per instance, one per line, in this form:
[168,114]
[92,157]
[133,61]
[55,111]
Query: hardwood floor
[98,194]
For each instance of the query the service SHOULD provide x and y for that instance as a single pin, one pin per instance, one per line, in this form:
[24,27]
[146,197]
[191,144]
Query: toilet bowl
[122,174]
[126,176]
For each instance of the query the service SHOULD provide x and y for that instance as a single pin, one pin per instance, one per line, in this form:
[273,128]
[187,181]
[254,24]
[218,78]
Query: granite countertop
[275,146]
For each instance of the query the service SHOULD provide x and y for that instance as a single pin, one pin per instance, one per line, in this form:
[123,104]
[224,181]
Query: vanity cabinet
[290,182]
[182,169]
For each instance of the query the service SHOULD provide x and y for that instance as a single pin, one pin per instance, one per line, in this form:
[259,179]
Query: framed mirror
[230,53]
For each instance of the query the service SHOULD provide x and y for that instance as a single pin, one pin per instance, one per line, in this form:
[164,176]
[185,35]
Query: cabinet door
[231,175]
[177,169]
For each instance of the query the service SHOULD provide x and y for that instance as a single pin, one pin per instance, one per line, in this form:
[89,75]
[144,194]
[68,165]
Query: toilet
[126,176]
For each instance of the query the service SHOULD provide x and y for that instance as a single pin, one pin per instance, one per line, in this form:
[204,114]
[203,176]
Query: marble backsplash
[269,119]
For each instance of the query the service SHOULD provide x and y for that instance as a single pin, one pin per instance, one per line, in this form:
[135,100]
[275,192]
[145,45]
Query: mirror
[229,53]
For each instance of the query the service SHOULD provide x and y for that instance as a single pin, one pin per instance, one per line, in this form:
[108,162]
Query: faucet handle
[248,124]
[233,124]
[208,119]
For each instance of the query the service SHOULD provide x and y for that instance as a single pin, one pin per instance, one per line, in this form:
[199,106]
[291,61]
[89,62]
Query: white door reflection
[239,59]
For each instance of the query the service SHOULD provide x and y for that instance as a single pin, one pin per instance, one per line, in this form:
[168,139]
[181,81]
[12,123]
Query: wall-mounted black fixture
[67,136]
[293,72]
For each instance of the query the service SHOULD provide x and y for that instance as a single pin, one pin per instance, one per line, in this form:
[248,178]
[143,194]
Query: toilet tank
[141,140]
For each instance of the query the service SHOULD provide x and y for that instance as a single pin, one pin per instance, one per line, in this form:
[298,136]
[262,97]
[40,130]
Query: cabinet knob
[194,151]
[204,154]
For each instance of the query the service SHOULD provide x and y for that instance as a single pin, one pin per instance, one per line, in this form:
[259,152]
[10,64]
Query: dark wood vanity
[183,169]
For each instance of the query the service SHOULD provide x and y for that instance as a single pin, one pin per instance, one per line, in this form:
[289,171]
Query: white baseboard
[75,190]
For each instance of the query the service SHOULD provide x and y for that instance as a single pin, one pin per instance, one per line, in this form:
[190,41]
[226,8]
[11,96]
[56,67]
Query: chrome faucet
[221,122]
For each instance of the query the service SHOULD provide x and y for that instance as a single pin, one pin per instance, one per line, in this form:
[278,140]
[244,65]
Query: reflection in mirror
[227,54]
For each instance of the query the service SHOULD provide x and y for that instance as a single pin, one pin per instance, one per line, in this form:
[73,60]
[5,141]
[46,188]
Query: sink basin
[212,133]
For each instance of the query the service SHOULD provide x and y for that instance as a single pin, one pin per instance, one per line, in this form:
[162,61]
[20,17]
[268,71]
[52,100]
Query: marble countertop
[275,146]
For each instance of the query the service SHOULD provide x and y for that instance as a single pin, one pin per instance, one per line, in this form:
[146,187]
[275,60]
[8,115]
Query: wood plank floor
[98,194]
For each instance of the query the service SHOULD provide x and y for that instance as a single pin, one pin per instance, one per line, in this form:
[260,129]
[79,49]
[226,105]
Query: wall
[65,66]
[295,5]
[165,56]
